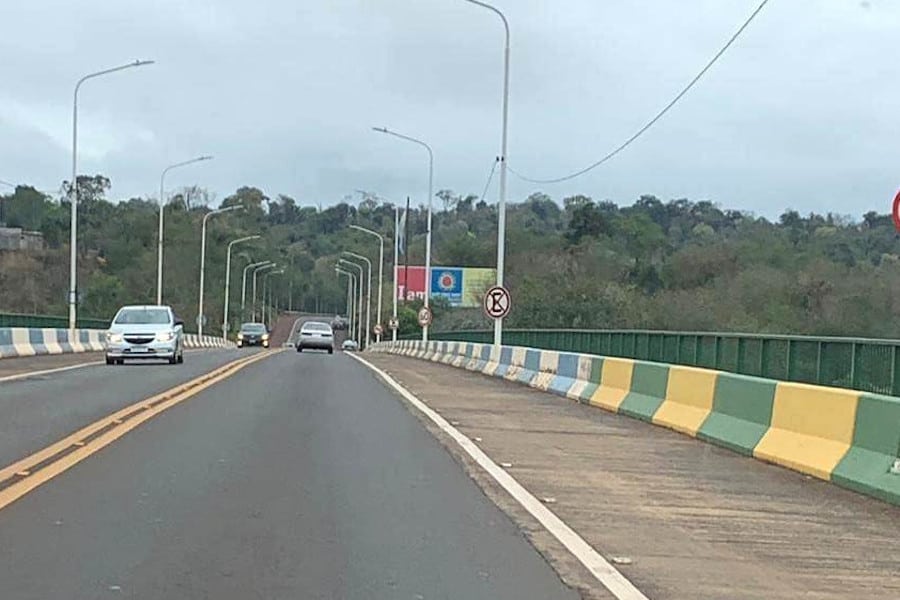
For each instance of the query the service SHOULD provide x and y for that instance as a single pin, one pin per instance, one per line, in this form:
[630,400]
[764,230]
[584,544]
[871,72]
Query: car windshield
[253,328]
[316,327]
[143,316]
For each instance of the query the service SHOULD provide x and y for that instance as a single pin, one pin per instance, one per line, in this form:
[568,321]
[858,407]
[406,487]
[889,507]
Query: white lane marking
[28,374]
[617,584]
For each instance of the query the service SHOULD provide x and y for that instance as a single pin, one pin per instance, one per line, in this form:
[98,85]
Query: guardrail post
[819,363]
[852,364]
[787,358]
[894,371]
[696,350]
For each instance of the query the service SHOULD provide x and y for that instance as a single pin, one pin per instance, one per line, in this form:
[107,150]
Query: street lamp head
[205,157]
[380,129]
[231,208]
[141,63]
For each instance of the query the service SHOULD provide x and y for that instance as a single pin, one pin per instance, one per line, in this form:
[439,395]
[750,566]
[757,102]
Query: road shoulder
[693,520]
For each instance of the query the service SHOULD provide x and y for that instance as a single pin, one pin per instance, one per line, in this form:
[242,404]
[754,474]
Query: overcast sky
[803,112]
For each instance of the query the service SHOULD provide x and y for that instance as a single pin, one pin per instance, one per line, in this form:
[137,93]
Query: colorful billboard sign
[461,286]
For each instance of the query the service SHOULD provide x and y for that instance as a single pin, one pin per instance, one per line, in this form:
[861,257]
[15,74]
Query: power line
[659,115]
[490,177]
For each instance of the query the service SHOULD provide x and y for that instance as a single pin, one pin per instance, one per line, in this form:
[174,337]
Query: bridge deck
[695,520]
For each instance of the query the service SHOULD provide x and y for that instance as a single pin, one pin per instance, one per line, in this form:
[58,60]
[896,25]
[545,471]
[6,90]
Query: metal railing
[855,363]
[40,321]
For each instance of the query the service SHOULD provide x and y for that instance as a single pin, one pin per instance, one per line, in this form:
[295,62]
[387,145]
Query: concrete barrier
[848,437]
[16,342]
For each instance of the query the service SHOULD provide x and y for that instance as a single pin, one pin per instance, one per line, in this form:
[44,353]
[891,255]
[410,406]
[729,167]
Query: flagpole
[396,269]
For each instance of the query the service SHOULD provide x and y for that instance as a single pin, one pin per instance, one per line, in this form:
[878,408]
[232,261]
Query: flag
[401,234]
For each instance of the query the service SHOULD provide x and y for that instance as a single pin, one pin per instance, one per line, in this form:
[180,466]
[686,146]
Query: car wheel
[110,361]
[120,361]
[173,360]
[181,358]
[299,348]
[331,351]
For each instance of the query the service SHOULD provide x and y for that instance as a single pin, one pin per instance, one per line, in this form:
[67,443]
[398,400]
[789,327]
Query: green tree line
[572,263]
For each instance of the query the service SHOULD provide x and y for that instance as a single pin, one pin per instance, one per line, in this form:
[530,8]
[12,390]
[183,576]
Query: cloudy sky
[802,112]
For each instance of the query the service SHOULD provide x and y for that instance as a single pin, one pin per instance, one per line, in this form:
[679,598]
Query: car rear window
[253,328]
[316,327]
[143,316]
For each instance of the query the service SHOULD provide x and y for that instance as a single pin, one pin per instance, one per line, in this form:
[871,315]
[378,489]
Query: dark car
[253,334]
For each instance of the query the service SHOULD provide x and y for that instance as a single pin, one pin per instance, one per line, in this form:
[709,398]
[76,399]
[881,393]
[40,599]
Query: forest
[574,262]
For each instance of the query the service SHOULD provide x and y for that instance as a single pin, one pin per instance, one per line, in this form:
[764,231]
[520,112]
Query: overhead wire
[658,116]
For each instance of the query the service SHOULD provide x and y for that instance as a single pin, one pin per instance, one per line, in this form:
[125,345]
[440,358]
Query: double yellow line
[21,477]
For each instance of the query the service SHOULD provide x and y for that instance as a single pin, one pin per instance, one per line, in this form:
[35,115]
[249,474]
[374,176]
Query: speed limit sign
[425,316]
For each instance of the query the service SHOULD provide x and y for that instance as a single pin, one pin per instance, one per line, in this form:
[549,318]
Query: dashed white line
[608,576]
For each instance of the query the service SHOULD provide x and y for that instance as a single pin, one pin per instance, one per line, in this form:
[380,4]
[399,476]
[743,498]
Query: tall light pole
[231,244]
[368,294]
[264,302]
[264,267]
[73,188]
[351,285]
[359,289]
[203,260]
[380,268]
[244,283]
[162,205]
[428,226]
[501,206]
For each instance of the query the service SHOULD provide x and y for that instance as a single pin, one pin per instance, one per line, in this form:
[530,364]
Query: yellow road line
[76,447]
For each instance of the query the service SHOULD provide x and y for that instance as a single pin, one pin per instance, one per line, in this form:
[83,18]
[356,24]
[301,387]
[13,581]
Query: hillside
[572,262]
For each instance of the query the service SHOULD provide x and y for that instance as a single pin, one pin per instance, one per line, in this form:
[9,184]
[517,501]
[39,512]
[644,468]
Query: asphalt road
[299,477]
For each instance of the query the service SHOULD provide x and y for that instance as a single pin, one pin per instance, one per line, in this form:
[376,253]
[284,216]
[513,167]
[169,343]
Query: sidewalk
[695,520]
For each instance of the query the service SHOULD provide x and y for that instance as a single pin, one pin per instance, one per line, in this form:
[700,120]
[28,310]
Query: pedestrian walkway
[684,519]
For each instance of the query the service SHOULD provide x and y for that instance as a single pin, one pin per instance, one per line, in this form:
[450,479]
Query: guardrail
[44,321]
[855,363]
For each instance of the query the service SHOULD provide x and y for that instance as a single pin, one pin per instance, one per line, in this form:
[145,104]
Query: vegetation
[580,263]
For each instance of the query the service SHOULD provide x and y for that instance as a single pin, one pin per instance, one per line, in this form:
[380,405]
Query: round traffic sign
[378,329]
[425,316]
[394,323]
[896,212]
[497,302]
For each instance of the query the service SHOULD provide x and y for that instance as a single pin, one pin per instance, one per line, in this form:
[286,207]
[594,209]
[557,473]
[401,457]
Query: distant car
[253,334]
[350,345]
[145,332]
[315,335]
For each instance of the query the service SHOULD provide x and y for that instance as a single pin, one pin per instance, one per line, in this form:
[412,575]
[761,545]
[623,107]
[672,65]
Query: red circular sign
[896,211]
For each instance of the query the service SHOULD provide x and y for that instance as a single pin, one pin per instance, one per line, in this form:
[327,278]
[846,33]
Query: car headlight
[114,338]
[165,336]
[265,337]
[240,336]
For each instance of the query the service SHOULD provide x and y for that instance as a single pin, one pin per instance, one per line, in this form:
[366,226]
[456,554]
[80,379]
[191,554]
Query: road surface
[300,476]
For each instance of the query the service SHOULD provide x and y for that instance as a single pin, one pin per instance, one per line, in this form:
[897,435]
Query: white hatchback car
[145,332]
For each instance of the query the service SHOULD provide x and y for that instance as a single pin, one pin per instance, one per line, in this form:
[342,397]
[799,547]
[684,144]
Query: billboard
[461,286]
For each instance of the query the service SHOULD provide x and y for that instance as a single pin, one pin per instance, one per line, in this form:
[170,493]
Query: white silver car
[315,335]
[145,332]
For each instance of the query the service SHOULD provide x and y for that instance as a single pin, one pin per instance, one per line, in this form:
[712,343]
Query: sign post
[378,330]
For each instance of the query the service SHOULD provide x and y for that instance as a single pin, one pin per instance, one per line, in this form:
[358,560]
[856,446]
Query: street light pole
[351,287]
[231,244]
[504,159]
[265,286]
[359,288]
[380,268]
[73,188]
[269,265]
[428,226]
[159,240]
[244,283]
[368,295]
[203,261]
[396,257]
